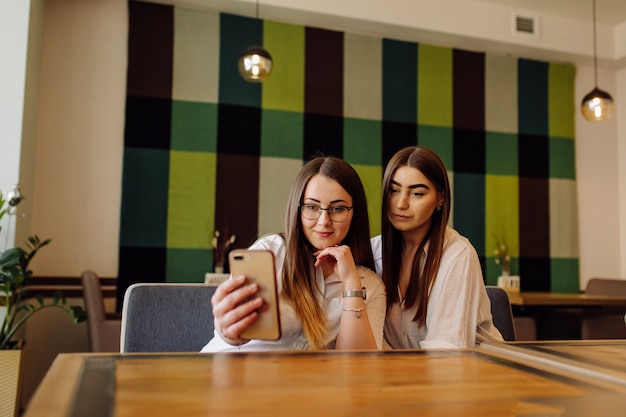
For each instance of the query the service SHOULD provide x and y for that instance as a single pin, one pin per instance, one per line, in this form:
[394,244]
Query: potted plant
[15,310]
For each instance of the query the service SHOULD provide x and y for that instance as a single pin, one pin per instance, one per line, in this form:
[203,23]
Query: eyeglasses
[335,213]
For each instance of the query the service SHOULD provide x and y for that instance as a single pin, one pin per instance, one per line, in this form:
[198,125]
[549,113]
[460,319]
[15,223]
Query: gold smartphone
[258,266]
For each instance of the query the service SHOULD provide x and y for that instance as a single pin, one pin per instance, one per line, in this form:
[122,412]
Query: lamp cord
[595,53]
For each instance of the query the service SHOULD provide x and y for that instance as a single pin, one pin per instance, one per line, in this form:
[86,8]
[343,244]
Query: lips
[400,217]
[324,234]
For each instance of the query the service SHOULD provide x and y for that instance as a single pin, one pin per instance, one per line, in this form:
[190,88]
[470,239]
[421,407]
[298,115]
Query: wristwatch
[355,293]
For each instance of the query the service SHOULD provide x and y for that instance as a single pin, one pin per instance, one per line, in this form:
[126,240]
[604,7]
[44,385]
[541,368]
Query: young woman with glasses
[330,298]
[436,296]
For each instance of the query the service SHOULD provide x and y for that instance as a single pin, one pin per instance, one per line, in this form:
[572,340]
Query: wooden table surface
[550,299]
[330,383]
[600,359]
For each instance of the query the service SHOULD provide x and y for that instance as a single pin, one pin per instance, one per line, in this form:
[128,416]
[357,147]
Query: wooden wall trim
[71,286]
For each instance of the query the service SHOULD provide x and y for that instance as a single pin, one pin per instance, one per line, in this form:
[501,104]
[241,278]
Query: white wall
[14,16]
[599,182]
[80,137]
[620,226]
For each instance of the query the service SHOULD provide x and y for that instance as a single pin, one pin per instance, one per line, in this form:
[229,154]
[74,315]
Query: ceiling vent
[525,25]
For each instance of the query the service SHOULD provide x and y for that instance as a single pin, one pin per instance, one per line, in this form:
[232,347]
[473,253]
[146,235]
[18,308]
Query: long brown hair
[433,168]
[299,284]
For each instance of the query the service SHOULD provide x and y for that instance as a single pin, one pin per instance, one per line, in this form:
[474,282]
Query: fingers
[333,254]
[340,258]
[235,306]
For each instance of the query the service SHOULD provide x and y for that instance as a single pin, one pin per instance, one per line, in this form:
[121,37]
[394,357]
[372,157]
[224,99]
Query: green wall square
[562,158]
[144,197]
[469,207]
[438,139]
[362,141]
[564,275]
[188,265]
[194,126]
[501,149]
[281,134]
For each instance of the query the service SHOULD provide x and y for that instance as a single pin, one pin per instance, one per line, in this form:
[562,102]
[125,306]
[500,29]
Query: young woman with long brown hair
[330,297]
[436,296]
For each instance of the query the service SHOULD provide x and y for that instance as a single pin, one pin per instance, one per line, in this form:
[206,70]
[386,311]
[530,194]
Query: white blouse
[331,297]
[459,310]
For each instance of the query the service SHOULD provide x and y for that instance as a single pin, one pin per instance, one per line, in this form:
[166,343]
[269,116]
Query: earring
[439,208]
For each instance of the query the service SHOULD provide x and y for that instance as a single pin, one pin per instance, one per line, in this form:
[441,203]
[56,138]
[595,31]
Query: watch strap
[353,293]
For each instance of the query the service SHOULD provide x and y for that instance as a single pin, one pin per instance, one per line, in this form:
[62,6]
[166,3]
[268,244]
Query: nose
[402,200]
[324,218]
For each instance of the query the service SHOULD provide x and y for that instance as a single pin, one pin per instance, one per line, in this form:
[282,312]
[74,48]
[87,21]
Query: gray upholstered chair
[501,312]
[103,328]
[167,317]
[607,324]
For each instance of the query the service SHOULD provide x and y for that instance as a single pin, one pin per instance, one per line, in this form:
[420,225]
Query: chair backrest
[501,312]
[604,324]
[167,317]
[104,333]
[215,278]
[606,286]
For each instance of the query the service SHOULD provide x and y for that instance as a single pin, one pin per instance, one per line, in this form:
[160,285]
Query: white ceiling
[564,26]
[611,12]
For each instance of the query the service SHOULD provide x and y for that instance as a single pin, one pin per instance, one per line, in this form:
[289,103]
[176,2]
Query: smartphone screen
[258,266]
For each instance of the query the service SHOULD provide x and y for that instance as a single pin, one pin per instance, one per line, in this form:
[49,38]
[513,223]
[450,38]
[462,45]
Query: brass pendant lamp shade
[598,104]
[255,63]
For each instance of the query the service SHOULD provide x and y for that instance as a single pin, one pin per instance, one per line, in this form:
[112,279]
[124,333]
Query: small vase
[510,283]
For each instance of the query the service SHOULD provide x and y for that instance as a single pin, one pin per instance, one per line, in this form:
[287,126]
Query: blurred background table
[559,316]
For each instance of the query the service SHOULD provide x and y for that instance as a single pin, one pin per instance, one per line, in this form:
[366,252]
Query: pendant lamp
[255,63]
[598,104]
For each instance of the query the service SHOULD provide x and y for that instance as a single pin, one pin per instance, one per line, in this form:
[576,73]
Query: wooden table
[578,300]
[559,315]
[330,383]
[604,360]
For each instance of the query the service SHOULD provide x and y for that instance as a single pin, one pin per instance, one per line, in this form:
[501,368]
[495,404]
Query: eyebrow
[332,202]
[412,186]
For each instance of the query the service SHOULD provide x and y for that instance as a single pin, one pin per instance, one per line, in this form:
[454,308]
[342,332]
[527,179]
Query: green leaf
[78,314]
[26,307]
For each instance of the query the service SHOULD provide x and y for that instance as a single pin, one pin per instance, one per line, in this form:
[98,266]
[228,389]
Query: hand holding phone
[258,266]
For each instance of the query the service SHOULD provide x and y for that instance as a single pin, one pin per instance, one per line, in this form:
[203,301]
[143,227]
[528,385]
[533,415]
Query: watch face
[355,293]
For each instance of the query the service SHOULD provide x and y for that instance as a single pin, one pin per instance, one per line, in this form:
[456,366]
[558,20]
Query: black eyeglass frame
[328,209]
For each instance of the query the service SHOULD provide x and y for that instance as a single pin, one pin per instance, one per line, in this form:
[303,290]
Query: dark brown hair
[299,284]
[433,168]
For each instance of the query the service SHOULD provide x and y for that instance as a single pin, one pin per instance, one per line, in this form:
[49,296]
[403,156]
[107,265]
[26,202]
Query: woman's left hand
[340,257]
